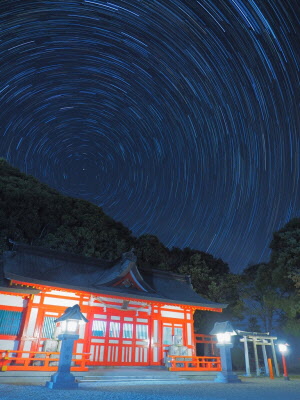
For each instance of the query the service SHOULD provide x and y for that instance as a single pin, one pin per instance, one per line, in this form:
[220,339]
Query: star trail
[180,118]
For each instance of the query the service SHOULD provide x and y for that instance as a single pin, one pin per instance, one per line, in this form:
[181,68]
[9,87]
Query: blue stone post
[63,379]
[226,375]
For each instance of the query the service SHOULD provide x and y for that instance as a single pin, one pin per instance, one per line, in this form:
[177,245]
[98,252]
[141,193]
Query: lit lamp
[283,348]
[224,332]
[68,326]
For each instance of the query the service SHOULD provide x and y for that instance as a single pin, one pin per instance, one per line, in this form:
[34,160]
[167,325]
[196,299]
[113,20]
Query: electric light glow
[224,337]
[282,348]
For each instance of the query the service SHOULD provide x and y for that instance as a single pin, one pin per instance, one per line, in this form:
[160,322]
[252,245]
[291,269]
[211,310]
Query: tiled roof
[48,267]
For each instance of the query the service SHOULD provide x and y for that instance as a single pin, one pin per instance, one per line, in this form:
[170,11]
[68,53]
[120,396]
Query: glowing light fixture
[223,331]
[70,320]
[283,347]
[224,337]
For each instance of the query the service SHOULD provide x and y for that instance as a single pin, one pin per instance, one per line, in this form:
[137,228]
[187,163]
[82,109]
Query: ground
[249,389]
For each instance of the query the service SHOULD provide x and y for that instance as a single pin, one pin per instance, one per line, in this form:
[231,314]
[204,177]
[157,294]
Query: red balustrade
[17,360]
[194,363]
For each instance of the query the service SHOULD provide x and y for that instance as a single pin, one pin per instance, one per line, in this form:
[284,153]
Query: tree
[285,254]
[285,258]
[151,253]
[253,325]
[261,297]
[220,287]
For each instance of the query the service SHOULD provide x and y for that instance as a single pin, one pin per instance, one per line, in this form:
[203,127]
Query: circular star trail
[180,118]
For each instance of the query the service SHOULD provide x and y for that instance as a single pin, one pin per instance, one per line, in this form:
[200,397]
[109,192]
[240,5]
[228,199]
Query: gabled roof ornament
[129,255]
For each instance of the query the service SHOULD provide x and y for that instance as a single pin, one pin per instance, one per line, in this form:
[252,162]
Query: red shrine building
[133,313]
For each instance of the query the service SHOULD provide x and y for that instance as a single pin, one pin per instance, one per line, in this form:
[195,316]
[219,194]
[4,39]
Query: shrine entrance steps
[143,374]
[107,375]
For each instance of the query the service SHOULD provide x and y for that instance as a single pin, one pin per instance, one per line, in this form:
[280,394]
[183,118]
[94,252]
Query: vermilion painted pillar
[285,372]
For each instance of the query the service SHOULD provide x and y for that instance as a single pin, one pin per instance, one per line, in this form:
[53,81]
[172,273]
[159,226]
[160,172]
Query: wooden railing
[201,338]
[209,341]
[17,360]
[194,363]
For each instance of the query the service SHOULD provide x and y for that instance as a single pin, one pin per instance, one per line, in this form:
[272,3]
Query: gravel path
[250,389]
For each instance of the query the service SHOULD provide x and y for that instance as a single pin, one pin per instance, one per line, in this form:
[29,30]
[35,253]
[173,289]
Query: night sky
[179,117]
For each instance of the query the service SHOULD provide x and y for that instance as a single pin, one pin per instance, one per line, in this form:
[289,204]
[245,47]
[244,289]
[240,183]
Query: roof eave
[30,281]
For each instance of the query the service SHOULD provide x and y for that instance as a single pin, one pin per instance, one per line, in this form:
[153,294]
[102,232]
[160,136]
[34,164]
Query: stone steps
[110,375]
[144,375]
[120,380]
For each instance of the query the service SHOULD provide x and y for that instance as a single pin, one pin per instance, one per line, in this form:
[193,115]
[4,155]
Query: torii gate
[258,339]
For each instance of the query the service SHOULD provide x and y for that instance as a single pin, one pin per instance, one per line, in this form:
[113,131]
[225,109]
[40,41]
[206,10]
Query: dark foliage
[31,212]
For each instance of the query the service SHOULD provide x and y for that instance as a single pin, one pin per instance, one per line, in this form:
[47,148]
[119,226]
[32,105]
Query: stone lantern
[224,332]
[68,326]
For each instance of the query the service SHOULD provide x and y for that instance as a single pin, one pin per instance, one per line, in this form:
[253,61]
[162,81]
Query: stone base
[62,380]
[53,385]
[228,377]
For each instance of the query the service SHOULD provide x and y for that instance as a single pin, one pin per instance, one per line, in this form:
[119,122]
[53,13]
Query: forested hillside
[32,212]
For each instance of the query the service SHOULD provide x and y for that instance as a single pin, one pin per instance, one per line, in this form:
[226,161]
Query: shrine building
[133,313]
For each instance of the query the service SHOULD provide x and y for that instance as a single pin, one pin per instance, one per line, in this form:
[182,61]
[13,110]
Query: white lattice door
[119,339]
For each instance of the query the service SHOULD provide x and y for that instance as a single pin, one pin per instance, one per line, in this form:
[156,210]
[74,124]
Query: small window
[48,327]
[142,331]
[10,322]
[178,331]
[167,335]
[99,328]
[114,329]
[127,331]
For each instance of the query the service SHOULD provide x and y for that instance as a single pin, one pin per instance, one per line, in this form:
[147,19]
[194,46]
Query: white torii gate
[258,339]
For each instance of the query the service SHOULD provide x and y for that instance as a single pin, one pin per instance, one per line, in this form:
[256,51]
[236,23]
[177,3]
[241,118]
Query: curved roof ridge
[116,272]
